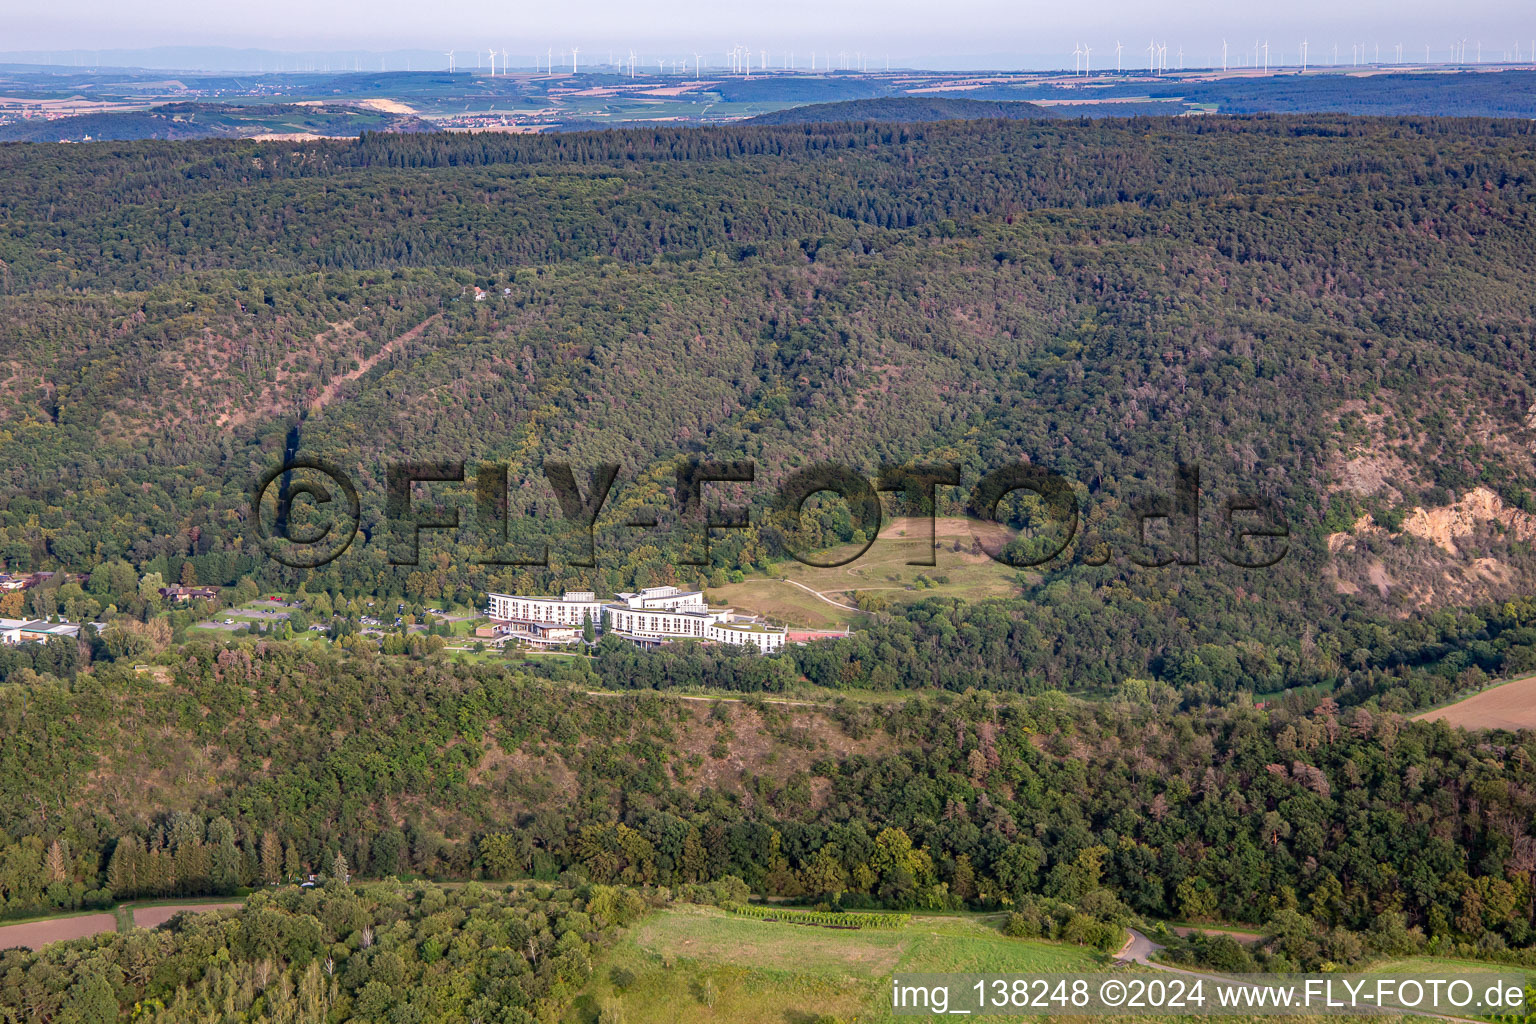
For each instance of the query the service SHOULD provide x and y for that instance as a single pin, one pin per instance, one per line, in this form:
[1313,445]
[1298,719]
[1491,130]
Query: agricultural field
[1510,706]
[690,964]
[60,927]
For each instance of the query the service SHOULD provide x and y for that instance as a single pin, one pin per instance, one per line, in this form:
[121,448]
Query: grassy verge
[697,964]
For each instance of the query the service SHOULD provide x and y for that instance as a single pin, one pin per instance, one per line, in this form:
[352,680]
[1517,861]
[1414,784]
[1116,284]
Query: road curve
[1138,949]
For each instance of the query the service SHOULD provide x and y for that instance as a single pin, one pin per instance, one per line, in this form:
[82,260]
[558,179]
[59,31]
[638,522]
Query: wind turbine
[493,61]
[1151,55]
[1266,56]
[1118,48]
[503,60]
[1303,56]
[1087,59]
[574,51]
[1223,55]
[696,58]
[1077,58]
[449,55]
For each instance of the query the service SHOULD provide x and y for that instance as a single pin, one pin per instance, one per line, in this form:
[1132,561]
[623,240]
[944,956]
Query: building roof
[55,628]
[749,627]
[569,597]
[700,613]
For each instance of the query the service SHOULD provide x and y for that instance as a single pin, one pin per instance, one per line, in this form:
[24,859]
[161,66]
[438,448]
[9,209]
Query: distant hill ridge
[200,120]
[906,109]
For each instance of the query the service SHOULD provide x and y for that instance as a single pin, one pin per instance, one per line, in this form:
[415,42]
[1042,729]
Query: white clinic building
[573,608]
[653,615]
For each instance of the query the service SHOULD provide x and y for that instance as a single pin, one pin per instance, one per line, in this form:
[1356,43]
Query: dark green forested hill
[1343,831]
[1327,315]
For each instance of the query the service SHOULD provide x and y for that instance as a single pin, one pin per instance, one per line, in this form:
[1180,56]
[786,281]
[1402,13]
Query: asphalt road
[1139,948]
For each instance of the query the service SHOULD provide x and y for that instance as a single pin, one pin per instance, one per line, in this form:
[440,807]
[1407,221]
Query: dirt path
[1187,930]
[818,594]
[331,390]
[685,696]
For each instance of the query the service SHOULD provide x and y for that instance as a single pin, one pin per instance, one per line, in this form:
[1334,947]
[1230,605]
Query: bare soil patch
[1510,706]
[154,917]
[331,390]
[1229,932]
[37,934]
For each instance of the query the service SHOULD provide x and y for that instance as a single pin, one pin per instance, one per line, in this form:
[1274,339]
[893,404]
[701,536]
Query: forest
[377,952]
[1345,831]
[1320,322]
[1265,299]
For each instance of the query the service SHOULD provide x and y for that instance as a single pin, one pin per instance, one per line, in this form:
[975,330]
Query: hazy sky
[898,27]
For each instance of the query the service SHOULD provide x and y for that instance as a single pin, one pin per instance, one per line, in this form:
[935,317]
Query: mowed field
[962,569]
[1509,706]
[689,964]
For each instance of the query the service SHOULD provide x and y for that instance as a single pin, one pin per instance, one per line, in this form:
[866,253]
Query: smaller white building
[670,598]
[764,637]
[18,631]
